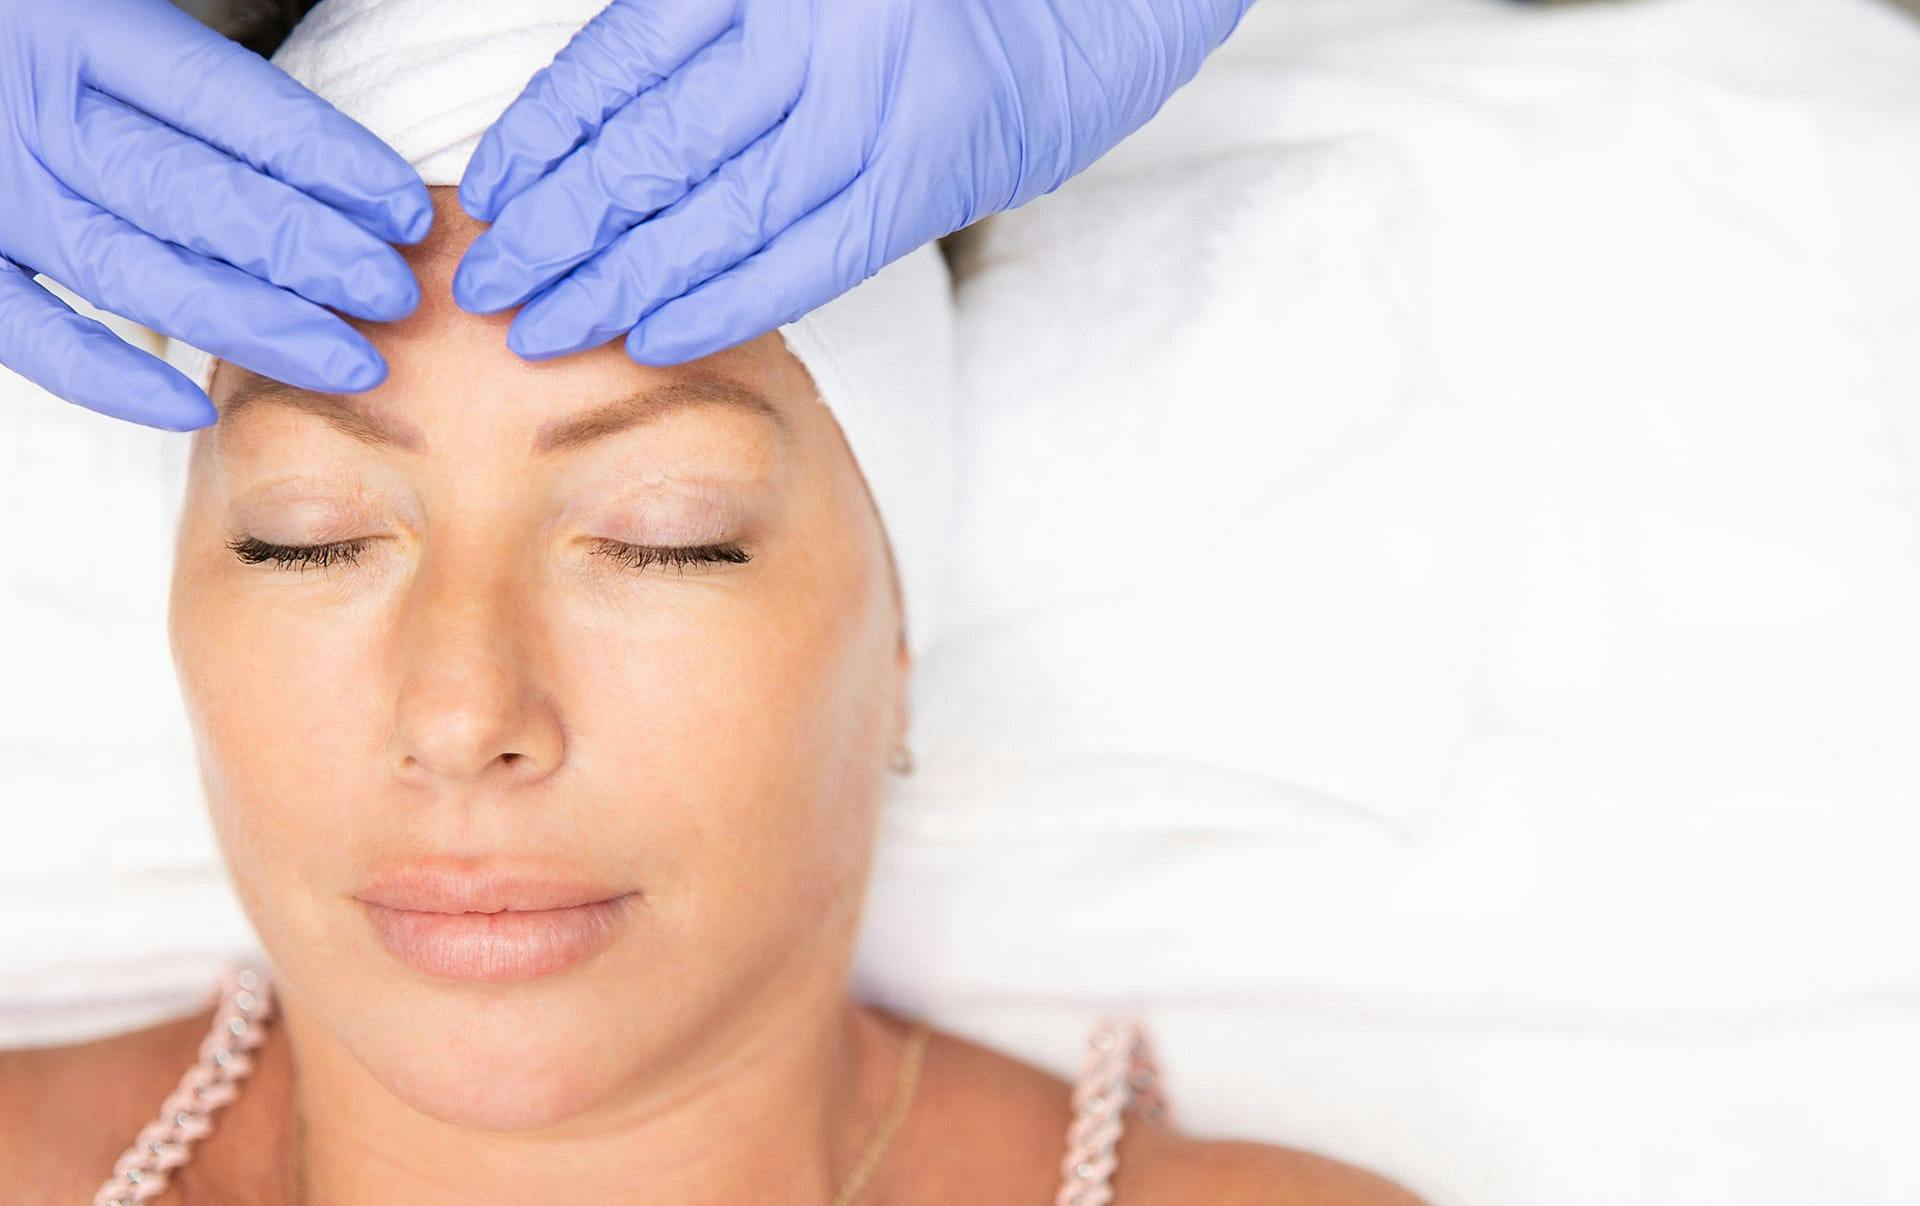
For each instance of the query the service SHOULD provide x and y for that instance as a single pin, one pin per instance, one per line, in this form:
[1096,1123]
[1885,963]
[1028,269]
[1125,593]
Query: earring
[901,762]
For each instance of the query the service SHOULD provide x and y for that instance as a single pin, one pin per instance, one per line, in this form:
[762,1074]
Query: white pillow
[113,907]
[1630,870]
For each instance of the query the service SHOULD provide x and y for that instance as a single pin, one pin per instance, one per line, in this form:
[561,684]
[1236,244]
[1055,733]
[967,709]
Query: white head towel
[429,77]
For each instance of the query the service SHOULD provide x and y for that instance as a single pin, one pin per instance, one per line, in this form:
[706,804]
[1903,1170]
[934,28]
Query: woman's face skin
[480,680]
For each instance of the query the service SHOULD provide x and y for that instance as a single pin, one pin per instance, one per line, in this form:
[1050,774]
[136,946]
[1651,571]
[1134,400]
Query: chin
[519,1055]
[510,1057]
[493,1081]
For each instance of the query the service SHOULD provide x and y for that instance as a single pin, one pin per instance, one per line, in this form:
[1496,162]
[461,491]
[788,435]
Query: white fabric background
[1436,624]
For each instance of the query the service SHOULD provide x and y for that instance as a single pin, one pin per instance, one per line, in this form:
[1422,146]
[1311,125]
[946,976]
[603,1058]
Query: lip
[490,924]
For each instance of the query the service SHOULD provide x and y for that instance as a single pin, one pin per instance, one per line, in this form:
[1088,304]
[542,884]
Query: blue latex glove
[711,169]
[175,178]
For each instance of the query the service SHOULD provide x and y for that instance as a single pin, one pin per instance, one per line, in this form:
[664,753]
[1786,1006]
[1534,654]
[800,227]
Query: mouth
[492,926]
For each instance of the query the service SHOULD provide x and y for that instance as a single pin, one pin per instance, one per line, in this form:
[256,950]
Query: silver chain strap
[213,1081]
[1121,1072]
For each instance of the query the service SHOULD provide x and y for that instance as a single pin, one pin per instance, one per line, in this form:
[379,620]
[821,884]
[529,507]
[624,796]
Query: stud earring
[901,761]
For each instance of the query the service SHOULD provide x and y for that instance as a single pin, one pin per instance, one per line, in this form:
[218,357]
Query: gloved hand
[175,178]
[711,169]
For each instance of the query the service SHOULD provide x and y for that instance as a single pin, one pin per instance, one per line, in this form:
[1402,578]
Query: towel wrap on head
[430,76]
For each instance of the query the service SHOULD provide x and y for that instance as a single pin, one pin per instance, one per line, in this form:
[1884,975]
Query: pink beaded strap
[186,1116]
[1120,1071]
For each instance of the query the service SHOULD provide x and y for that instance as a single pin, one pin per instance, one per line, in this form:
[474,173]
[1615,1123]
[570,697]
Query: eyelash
[639,556]
[252,551]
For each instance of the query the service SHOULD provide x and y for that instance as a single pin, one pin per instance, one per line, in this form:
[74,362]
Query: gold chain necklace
[903,1088]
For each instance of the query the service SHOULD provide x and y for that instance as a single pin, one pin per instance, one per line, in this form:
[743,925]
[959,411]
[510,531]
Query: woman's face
[488,671]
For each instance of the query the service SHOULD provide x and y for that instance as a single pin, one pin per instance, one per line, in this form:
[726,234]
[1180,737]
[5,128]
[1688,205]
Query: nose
[472,708]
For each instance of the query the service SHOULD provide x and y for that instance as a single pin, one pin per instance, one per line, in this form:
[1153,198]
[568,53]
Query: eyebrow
[564,434]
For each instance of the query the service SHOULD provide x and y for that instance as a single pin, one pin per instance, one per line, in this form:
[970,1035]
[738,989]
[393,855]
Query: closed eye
[639,556]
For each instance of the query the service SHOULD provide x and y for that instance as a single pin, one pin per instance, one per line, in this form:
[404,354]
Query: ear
[903,660]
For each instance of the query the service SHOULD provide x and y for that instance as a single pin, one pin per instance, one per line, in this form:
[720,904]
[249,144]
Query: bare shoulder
[984,1100]
[67,1111]
[1170,1169]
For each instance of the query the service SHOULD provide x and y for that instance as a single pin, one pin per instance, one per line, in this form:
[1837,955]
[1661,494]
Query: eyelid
[659,528]
[305,502]
[693,509]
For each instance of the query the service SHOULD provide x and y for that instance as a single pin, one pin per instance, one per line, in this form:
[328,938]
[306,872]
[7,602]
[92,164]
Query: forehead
[387,427]
[451,371]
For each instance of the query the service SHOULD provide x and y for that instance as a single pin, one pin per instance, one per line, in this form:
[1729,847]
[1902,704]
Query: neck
[767,1108]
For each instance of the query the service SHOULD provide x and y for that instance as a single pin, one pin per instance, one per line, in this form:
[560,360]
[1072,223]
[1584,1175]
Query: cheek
[284,704]
[742,740]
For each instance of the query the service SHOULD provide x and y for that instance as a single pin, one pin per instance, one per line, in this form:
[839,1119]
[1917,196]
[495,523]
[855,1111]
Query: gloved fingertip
[405,301]
[479,208]
[660,348]
[639,349]
[191,414]
[418,227]
[392,297]
[413,215]
[365,373]
[411,298]
[538,341]
[476,203]
[480,184]
[477,287]
[173,408]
